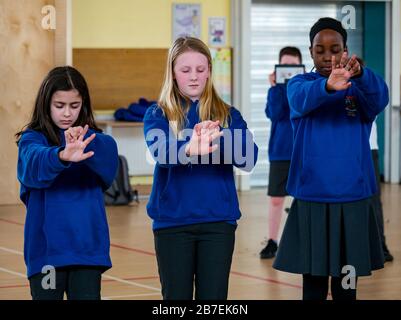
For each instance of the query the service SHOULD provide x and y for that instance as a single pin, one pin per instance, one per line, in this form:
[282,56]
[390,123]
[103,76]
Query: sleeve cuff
[324,90]
[360,79]
[55,160]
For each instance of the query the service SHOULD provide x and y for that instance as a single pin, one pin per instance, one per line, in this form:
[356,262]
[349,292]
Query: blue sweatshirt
[278,111]
[66,221]
[186,190]
[331,160]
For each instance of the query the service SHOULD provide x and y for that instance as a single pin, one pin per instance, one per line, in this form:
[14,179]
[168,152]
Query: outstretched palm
[342,72]
[74,150]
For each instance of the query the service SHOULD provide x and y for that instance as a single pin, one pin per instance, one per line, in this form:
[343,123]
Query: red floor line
[153,254]
[133,278]
[266,279]
[12,222]
[132,249]
[14,286]
[103,280]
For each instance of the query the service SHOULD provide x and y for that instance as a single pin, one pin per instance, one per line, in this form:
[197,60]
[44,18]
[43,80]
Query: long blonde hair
[211,106]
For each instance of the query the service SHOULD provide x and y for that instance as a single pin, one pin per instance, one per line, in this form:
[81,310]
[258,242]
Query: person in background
[280,149]
[374,146]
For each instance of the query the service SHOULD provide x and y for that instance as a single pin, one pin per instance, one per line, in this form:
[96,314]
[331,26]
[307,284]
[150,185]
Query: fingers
[83,132]
[87,155]
[198,129]
[216,135]
[89,140]
[344,59]
[333,63]
[67,137]
[213,148]
[355,67]
[350,63]
[209,124]
[206,126]
[74,133]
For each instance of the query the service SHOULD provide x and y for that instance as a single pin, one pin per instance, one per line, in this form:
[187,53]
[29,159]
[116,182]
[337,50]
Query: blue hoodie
[331,160]
[185,191]
[278,111]
[66,221]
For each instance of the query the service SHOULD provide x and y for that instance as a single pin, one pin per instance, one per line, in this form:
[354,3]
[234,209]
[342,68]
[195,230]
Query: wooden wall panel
[27,54]
[117,77]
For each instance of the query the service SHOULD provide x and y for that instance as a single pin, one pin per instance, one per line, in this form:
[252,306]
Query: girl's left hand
[351,65]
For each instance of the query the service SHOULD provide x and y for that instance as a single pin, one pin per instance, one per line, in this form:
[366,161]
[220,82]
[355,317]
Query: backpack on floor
[120,192]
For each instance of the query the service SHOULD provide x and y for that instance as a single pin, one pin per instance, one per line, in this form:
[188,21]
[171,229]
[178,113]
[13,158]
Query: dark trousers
[200,254]
[317,288]
[78,282]
[376,198]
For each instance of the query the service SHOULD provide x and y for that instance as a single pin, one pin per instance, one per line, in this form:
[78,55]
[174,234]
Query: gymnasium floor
[134,274]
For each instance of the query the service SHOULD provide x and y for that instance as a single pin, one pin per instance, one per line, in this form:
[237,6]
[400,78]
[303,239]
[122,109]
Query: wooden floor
[134,273]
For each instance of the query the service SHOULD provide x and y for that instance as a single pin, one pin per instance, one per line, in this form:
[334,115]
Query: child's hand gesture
[203,135]
[75,145]
[341,73]
[73,132]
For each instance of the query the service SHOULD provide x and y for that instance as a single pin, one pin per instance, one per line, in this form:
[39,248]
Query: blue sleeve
[237,145]
[305,95]
[104,162]
[371,92]
[276,99]
[38,163]
[163,145]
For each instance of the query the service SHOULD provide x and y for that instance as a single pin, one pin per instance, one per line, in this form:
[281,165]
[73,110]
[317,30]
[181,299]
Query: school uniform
[194,206]
[66,222]
[332,221]
[281,140]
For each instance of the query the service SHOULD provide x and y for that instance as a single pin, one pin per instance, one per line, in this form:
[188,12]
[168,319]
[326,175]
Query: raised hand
[339,77]
[75,145]
[342,72]
[203,135]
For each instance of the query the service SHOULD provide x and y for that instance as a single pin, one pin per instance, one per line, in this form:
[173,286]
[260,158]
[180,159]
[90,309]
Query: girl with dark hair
[64,165]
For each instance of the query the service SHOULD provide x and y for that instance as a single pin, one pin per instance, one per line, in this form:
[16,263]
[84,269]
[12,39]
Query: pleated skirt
[321,238]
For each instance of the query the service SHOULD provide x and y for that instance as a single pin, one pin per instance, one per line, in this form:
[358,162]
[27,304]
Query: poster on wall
[186,20]
[217,32]
[221,60]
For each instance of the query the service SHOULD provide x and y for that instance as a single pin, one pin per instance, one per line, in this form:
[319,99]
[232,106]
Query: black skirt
[278,176]
[320,238]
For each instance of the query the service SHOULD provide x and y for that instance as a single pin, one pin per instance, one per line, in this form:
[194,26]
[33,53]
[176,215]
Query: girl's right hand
[75,146]
[203,135]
